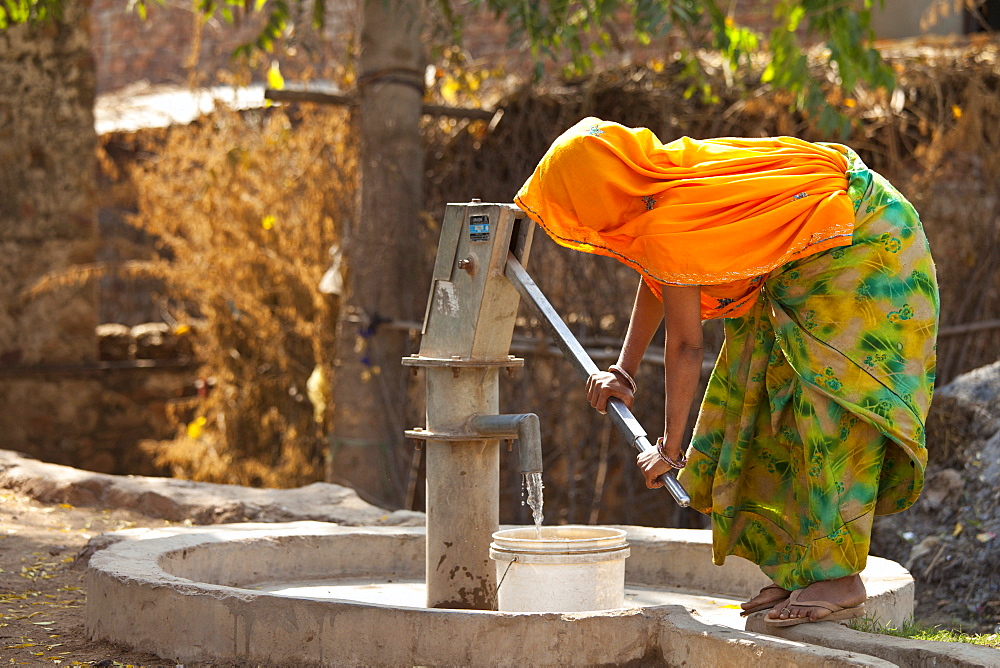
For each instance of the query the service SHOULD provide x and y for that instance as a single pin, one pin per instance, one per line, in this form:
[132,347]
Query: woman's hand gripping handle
[612,393]
[603,385]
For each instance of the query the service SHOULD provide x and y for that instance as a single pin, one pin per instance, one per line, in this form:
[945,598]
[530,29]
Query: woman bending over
[813,419]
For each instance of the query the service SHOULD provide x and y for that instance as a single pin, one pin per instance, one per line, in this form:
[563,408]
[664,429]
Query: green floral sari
[813,420]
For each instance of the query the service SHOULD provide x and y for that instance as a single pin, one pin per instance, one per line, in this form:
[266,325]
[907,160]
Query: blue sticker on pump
[479,228]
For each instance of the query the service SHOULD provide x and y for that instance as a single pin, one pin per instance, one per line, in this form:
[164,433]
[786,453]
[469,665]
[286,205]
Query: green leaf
[768,75]
[795,17]
[574,33]
[319,14]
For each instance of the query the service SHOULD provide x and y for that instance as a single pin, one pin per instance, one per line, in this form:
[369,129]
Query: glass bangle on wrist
[624,375]
[679,464]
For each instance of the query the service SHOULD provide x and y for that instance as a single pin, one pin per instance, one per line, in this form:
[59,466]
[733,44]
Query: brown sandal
[837,613]
[746,612]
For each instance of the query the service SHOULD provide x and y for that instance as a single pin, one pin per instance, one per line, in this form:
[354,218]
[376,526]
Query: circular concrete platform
[314,593]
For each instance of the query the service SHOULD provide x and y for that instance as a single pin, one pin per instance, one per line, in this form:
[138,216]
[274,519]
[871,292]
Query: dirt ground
[43,584]
[950,539]
[49,513]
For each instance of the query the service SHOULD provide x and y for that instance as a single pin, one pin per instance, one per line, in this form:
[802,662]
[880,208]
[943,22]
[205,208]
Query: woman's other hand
[652,467]
[603,385]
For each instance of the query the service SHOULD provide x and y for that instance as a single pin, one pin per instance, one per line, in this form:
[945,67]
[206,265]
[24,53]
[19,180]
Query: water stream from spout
[533,481]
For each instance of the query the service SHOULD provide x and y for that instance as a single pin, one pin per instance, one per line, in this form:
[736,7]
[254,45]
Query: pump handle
[620,415]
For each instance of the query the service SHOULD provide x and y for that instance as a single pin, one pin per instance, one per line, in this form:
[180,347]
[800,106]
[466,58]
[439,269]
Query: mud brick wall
[159,49]
[166,48]
[488,40]
[71,392]
[47,167]
[136,400]
[144,375]
[169,47]
[47,222]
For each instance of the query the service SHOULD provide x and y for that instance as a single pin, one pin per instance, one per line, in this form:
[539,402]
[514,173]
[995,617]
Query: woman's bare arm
[647,314]
[682,359]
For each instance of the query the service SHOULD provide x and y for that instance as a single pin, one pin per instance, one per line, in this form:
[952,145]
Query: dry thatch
[243,211]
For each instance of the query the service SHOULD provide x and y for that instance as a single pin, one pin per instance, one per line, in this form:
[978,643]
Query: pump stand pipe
[525,427]
[620,415]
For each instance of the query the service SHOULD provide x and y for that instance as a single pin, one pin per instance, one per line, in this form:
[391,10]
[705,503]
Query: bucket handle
[511,563]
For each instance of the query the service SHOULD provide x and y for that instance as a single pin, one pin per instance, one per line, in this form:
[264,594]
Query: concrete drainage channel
[322,594]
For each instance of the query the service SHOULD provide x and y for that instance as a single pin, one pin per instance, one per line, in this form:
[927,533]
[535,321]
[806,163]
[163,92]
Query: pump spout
[525,427]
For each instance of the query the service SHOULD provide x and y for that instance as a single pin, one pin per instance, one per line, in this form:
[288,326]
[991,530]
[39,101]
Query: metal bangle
[674,464]
[614,368]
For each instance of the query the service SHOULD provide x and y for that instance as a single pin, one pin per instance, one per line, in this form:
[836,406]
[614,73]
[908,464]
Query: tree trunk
[384,276]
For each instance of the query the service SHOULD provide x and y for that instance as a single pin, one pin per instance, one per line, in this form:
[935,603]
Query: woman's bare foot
[768,597]
[844,593]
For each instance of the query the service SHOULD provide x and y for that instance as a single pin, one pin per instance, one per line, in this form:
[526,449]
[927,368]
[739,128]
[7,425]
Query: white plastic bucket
[564,569]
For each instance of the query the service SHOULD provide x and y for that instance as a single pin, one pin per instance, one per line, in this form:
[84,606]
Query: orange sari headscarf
[715,212]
